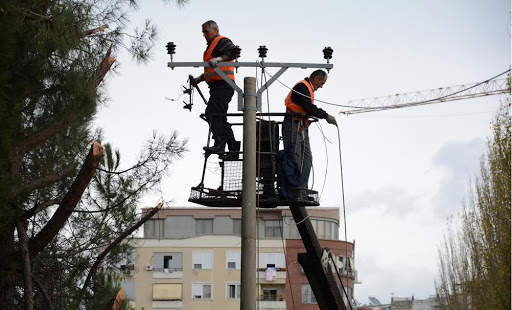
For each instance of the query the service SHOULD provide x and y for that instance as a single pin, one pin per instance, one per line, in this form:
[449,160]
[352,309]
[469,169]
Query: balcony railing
[167,270]
[271,297]
[349,272]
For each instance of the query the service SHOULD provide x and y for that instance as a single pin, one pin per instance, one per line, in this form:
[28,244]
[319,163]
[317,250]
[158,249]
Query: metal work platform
[219,198]
[270,175]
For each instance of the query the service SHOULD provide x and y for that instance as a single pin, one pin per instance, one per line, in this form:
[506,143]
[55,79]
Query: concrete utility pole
[248,273]
[251,102]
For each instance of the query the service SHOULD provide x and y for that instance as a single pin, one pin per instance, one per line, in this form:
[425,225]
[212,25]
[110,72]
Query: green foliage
[51,56]
[474,259]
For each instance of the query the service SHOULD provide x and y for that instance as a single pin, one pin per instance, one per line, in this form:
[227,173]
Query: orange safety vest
[292,107]
[209,73]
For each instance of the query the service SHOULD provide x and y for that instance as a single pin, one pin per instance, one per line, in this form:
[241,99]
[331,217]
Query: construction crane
[492,86]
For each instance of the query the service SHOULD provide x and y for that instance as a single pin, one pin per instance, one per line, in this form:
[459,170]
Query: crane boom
[442,94]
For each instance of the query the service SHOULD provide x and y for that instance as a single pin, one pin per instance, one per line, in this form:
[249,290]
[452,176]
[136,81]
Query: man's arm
[305,102]
[224,49]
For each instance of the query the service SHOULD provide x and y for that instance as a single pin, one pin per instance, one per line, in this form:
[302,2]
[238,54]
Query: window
[276,260]
[201,291]
[204,227]
[346,265]
[233,291]
[233,260]
[293,231]
[272,229]
[269,295]
[307,294]
[154,229]
[167,291]
[325,229]
[202,260]
[237,227]
[167,261]
[320,229]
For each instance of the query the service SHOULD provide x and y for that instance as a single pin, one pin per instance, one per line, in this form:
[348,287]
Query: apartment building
[190,258]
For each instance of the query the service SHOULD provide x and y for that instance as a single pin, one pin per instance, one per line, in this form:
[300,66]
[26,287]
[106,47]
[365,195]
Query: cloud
[388,201]
[459,163]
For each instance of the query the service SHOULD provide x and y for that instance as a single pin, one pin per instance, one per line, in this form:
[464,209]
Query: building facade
[190,258]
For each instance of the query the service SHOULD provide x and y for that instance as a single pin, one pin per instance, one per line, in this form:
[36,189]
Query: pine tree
[54,56]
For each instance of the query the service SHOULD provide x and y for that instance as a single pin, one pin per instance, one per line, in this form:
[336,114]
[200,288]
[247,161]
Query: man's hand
[331,120]
[214,61]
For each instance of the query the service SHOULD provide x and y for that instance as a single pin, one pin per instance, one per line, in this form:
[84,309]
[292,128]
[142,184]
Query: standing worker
[219,49]
[301,99]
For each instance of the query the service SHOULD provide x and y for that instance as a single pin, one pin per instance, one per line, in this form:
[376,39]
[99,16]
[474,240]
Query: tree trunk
[25,264]
[8,269]
[10,266]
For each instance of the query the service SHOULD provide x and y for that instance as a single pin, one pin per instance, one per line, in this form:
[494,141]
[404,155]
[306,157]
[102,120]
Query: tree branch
[40,207]
[121,237]
[47,180]
[25,264]
[95,30]
[43,291]
[117,302]
[68,204]
[104,67]
[57,126]
[31,15]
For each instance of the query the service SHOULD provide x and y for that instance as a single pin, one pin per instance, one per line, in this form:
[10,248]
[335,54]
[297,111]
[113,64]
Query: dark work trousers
[219,103]
[296,137]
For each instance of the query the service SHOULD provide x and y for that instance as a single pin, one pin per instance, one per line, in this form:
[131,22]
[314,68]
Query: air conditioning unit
[129,273]
[149,267]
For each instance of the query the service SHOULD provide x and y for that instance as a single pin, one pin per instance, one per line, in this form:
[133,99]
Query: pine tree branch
[40,207]
[31,15]
[104,67]
[39,137]
[95,30]
[25,264]
[44,293]
[57,126]
[117,302]
[68,204]
[126,233]
[45,181]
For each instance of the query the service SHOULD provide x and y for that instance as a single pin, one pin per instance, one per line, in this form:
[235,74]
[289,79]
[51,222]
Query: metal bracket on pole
[266,85]
[283,66]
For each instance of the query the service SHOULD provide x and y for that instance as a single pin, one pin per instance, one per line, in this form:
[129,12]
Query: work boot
[234,148]
[218,147]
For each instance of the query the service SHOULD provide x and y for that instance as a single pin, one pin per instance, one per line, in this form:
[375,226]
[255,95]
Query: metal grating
[232,175]
[218,198]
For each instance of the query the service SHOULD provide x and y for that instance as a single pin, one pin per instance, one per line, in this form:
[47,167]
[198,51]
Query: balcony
[280,274]
[167,273]
[348,272]
[167,304]
[272,302]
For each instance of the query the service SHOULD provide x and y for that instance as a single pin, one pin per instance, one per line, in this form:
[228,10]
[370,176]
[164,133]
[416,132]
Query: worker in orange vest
[301,99]
[219,49]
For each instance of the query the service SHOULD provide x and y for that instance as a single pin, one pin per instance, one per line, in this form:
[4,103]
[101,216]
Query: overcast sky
[405,171]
